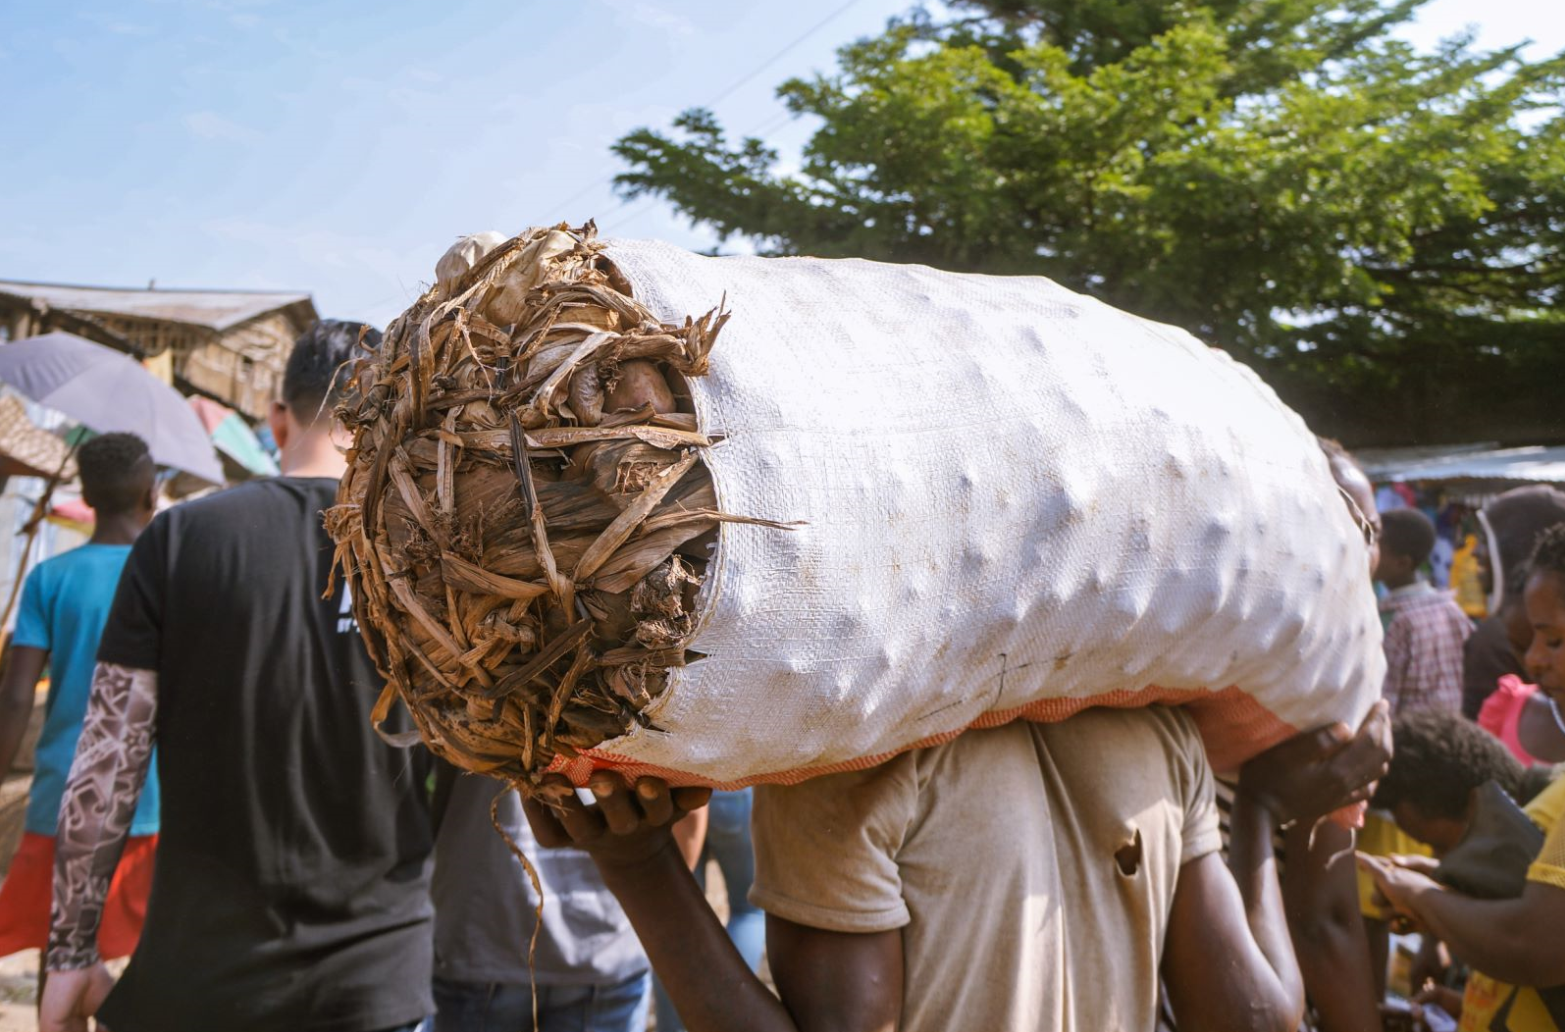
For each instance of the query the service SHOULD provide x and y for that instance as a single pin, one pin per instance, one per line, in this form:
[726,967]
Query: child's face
[1440,834]
[1545,660]
[1395,569]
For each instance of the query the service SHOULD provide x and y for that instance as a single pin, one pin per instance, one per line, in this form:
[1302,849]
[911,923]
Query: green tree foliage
[1380,231]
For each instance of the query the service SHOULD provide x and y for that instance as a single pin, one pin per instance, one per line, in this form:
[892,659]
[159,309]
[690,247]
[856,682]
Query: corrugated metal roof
[214,309]
[1534,464]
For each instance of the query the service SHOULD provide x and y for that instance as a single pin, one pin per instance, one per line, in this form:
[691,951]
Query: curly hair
[317,369]
[116,473]
[1438,759]
[1548,555]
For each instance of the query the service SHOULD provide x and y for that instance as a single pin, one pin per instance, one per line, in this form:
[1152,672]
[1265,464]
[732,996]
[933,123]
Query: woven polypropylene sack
[1013,501]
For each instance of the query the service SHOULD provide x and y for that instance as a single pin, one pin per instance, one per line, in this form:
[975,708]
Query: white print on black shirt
[346,623]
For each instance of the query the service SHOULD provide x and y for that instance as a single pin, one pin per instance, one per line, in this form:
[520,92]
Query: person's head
[1437,759]
[1406,539]
[1511,524]
[1354,483]
[119,478]
[318,372]
[1544,599]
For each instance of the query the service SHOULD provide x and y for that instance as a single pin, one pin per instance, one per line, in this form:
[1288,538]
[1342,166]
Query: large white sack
[1015,501]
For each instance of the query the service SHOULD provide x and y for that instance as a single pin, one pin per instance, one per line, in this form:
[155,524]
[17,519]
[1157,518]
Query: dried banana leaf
[511,543]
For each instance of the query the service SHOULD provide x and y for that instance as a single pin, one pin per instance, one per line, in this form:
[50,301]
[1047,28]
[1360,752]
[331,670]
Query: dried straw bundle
[525,518]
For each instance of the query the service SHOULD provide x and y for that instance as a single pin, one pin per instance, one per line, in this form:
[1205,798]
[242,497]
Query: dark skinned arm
[1520,941]
[838,981]
[690,836]
[17,685]
[829,981]
[1322,900]
[1228,959]
[1228,962]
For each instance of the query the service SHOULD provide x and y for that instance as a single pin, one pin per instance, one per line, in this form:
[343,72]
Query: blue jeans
[727,842]
[475,1007]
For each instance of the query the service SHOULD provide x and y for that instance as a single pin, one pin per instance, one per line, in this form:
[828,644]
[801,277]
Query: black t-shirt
[291,884]
[1487,656]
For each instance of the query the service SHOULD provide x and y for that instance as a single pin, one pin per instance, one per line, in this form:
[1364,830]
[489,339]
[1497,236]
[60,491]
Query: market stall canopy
[1481,464]
[108,392]
[27,450]
[217,310]
[235,441]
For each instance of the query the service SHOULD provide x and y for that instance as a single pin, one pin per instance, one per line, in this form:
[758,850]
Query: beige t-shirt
[995,855]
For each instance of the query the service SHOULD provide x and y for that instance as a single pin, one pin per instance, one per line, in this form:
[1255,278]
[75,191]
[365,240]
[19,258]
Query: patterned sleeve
[1398,653]
[111,762]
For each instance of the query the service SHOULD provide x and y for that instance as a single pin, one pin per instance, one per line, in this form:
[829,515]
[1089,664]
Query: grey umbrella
[110,393]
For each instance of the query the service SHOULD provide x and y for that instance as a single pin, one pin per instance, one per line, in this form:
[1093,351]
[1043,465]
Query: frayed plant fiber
[525,516]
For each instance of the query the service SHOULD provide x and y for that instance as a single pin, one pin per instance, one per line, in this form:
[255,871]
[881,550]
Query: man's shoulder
[244,508]
[221,504]
[1166,729]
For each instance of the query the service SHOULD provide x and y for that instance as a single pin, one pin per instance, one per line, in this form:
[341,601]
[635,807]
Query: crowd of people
[211,800]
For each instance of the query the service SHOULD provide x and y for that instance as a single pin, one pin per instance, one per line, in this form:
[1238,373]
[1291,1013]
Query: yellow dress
[1493,1006]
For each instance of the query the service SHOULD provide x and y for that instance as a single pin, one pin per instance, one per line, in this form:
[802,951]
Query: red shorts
[29,888]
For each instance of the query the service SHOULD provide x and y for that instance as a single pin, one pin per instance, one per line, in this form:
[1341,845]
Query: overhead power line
[727,92]
[763,66]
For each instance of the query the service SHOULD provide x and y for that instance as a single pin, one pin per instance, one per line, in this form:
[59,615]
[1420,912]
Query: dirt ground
[18,992]
[19,972]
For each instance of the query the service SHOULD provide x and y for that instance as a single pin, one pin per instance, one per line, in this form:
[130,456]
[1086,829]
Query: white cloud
[114,25]
[396,93]
[324,247]
[209,125]
[342,269]
[643,13]
[303,47]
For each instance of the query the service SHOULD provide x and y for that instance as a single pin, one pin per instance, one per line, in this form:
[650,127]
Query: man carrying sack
[1030,876]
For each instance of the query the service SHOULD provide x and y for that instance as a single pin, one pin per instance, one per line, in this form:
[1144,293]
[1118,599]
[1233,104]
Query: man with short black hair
[64,606]
[1425,628]
[292,882]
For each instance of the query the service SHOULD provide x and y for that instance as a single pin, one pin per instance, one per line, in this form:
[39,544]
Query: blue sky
[339,147]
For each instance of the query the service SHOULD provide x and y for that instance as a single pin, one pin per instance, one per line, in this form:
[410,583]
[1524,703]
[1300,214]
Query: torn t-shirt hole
[1128,856]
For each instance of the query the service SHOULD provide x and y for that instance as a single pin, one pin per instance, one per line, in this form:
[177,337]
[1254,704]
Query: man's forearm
[705,976]
[100,798]
[1254,864]
[1328,933]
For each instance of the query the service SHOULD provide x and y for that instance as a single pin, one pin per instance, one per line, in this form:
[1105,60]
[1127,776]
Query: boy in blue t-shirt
[65,604]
